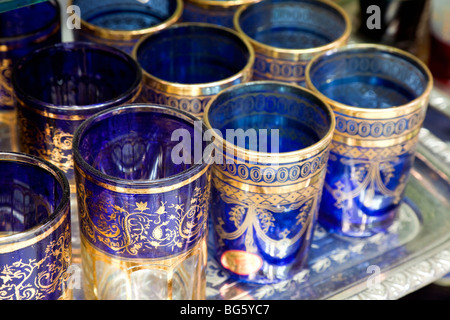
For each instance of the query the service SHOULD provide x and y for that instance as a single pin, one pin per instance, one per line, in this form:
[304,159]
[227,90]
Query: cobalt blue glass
[271,148]
[220,12]
[35,232]
[379,95]
[143,189]
[185,65]
[286,34]
[121,23]
[59,86]
[22,31]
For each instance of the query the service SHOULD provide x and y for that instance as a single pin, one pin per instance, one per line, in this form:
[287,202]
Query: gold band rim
[226,4]
[284,157]
[133,90]
[57,26]
[76,117]
[130,186]
[133,34]
[16,245]
[14,241]
[370,113]
[296,54]
[198,89]
[375,143]
[6,48]
[140,191]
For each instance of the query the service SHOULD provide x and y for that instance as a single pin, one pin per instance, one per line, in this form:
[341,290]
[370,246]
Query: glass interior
[126,15]
[369,78]
[193,54]
[269,114]
[27,19]
[69,75]
[28,196]
[141,145]
[292,24]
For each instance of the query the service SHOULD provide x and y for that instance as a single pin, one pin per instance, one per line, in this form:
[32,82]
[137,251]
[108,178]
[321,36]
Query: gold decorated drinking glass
[121,23]
[184,66]
[35,229]
[60,86]
[143,212]
[271,149]
[379,95]
[287,34]
[22,31]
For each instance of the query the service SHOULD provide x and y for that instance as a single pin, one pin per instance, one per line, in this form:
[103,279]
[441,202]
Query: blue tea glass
[379,95]
[121,23]
[286,34]
[35,231]
[60,86]
[265,195]
[22,31]
[143,211]
[219,12]
[185,65]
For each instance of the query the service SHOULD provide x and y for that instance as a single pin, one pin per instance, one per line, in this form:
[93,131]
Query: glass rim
[284,157]
[295,53]
[57,22]
[383,113]
[131,34]
[190,89]
[136,186]
[225,4]
[19,239]
[77,45]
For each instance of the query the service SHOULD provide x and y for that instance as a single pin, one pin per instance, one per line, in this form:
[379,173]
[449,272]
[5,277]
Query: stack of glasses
[196,127]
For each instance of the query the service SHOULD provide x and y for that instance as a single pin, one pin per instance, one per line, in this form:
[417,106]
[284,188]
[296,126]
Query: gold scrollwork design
[369,177]
[372,169]
[6,90]
[254,213]
[22,280]
[52,144]
[138,230]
